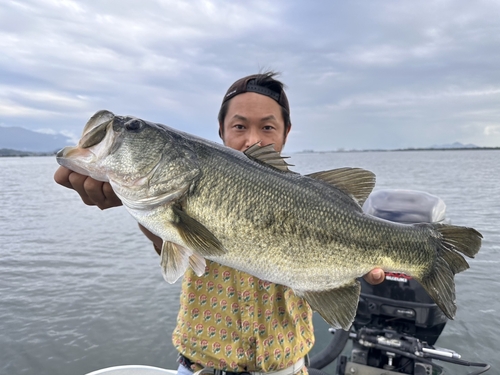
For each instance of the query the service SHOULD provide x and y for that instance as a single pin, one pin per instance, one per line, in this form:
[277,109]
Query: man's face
[253,118]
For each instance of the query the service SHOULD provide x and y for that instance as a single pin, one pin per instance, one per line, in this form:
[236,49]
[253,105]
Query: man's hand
[92,192]
[375,276]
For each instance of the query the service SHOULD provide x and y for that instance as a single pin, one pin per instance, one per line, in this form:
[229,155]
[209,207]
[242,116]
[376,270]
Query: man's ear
[287,132]
[221,131]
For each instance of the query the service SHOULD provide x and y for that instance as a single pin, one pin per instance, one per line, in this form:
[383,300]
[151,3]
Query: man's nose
[253,138]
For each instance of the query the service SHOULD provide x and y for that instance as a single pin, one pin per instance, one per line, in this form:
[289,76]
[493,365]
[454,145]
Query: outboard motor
[406,206]
[400,303]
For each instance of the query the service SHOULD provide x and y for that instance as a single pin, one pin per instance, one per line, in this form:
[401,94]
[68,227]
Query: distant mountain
[455,145]
[21,139]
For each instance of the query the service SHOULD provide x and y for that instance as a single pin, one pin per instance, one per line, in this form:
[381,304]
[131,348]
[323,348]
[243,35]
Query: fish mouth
[90,147]
[92,136]
[75,158]
[70,152]
[96,128]
[99,118]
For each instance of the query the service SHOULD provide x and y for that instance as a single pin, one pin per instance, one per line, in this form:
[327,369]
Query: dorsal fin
[267,155]
[357,182]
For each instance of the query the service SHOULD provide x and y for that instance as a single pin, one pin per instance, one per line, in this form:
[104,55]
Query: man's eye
[239,127]
[268,127]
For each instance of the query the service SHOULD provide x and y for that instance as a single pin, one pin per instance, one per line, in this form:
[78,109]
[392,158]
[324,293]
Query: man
[228,319]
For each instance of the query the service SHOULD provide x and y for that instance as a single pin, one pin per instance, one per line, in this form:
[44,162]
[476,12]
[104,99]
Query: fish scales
[248,211]
[297,225]
[269,188]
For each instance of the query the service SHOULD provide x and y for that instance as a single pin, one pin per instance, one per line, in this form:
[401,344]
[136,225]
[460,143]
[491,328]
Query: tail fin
[453,242]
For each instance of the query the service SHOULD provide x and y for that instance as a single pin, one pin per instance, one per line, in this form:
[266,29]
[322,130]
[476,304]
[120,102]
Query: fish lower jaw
[79,160]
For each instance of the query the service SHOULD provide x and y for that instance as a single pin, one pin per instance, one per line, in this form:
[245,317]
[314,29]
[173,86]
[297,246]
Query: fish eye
[134,125]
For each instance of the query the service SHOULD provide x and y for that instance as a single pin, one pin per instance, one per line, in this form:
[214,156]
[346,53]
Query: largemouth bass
[249,212]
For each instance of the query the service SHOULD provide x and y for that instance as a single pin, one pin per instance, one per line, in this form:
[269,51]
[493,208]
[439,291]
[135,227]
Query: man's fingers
[101,194]
[78,184]
[62,177]
[110,195]
[73,180]
[92,192]
[93,189]
[110,198]
[375,277]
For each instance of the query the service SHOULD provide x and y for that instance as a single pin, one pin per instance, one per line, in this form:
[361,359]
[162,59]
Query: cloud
[359,74]
[492,130]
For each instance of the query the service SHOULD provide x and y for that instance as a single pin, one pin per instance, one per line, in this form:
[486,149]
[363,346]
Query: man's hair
[262,83]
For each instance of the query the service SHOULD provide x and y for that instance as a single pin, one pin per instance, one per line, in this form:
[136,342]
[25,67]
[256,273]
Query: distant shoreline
[6,152]
[400,149]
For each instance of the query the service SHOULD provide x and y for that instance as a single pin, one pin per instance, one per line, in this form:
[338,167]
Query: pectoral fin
[196,236]
[337,306]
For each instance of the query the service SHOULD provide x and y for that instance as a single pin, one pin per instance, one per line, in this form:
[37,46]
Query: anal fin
[337,306]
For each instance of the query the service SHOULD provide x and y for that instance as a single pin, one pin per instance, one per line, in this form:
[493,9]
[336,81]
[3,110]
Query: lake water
[81,289]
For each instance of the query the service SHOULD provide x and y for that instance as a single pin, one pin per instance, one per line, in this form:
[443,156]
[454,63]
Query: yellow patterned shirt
[233,321]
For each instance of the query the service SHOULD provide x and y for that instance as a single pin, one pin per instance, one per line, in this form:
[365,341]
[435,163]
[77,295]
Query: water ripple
[81,288]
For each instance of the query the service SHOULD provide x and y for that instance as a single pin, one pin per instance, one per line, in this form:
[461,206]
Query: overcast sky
[360,74]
